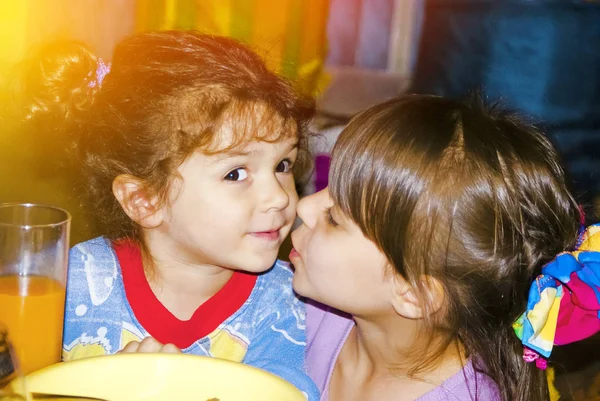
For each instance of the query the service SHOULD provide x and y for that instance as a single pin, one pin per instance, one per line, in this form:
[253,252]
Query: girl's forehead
[235,134]
[260,148]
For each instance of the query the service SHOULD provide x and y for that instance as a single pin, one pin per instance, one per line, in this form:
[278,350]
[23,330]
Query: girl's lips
[294,253]
[268,235]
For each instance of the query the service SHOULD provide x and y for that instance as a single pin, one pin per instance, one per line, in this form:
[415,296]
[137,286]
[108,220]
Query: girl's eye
[330,219]
[284,166]
[239,174]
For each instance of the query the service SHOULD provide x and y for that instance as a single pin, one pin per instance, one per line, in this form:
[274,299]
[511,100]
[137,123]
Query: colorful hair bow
[564,301]
[101,71]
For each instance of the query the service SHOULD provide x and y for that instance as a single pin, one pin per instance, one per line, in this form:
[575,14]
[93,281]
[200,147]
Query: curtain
[372,51]
[288,34]
[101,23]
[374,34]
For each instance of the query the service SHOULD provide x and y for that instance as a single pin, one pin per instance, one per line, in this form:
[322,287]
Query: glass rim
[66,218]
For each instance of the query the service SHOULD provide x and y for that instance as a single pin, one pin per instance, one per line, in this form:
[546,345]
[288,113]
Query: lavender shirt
[327,331]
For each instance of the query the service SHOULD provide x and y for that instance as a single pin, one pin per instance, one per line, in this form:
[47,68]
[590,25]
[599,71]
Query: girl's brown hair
[470,196]
[167,94]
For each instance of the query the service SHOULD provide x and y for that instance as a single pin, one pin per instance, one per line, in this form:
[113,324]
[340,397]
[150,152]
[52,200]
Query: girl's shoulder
[467,384]
[273,292]
[280,272]
[277,278]
[319,315]
[93,258]
[276,282]
[96,247]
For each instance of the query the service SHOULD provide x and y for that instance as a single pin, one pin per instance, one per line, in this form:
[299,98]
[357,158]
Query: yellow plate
[161,377]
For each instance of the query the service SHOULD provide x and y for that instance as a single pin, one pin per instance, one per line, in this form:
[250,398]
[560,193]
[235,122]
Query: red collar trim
[162,324]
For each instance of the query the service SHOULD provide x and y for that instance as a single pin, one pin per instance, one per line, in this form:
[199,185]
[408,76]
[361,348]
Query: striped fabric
[289,34]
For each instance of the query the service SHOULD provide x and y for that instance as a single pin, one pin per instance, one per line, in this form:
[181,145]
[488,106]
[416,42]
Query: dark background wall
[540,56]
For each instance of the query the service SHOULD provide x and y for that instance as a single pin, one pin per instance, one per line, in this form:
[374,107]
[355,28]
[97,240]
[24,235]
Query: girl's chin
[297,284]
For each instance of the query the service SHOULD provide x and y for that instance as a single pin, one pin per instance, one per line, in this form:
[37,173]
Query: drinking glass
[34,243]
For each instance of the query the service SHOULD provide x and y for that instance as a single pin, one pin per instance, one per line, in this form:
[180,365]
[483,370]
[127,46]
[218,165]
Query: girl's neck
[179,285]
[385,362]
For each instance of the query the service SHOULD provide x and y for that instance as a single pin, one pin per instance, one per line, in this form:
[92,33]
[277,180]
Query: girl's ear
[407,302]
[137,202]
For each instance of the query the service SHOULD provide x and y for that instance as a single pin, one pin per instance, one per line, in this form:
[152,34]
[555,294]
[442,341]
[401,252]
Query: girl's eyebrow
[293,146]
[242,152]
[224,157]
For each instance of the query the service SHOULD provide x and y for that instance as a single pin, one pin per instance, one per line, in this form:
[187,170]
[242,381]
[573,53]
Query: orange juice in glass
[34,242]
